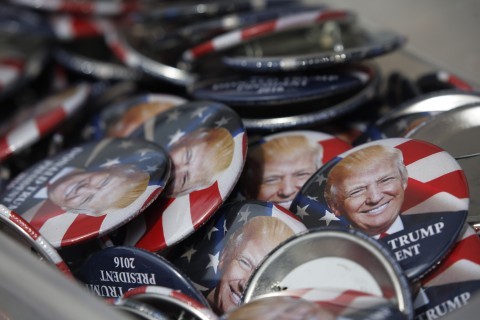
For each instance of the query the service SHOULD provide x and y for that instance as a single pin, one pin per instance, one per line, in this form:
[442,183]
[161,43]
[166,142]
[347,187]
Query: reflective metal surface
[366,253]
[458,131]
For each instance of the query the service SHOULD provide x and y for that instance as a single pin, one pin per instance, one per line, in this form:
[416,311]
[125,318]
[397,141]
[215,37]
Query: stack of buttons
[212,160]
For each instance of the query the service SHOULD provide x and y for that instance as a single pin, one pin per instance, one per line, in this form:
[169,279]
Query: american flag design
[31,236]
[92,7]
[163,298]
[172,219]
[41,119]
[236,37]
[125,268]
[350,304]
[454,282]
[437,192]
[200,256]
[27,194]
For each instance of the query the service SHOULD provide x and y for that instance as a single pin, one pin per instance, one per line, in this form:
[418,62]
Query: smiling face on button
[95,192]
[237,271]
[283,178]
[244,251]
[89,191]
[370,193]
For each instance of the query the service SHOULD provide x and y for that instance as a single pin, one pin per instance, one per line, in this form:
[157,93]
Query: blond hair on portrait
[136,116]
[220,149]
[269,229]
[138,181]
[283,148]
[354,161]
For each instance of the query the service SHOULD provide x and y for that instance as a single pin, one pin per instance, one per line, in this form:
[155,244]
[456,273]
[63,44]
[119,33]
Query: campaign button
[264,30]
[457,131]
[20,230]
[409,194]
[113,271]
[173,303]
[241,234]
[88,190]
[276,92]
[122,118]
[35,122]
[413,113]
[454,283]
[339,41]
[332,259]
[313,303]
[309,115]
[207,143]
[279,164]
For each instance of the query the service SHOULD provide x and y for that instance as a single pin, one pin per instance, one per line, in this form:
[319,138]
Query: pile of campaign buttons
[194,160]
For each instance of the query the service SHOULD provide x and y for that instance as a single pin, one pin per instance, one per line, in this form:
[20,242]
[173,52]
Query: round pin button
[280,94]
[321,112]
[31,124]
[331,40]
[20,230]
[207,144]
[262,30]
[173,302]
[114,271]
[279,164]
[88,190]
[332,260]
[454,282]
[409,194]
[222,258]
